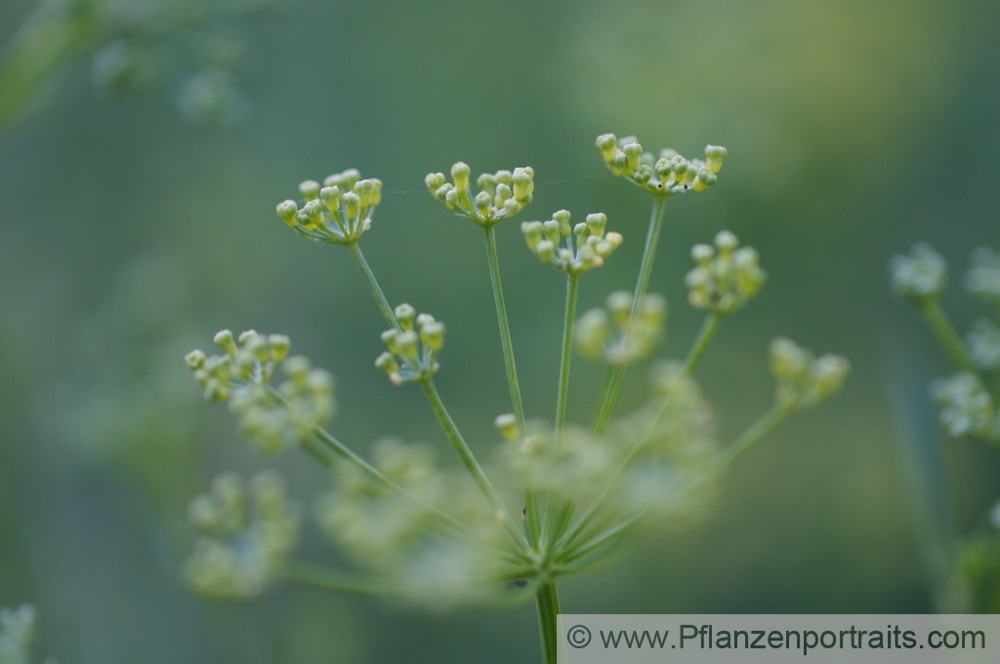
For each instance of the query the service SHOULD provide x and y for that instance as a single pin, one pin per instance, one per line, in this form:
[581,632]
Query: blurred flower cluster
[969,401]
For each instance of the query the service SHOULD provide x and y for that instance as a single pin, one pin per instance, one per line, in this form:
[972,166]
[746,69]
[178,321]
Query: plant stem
[468,458]
[946,335]
[505,339]
[708,330]
[572,288]
[547,605]
[617,377]
[377,293]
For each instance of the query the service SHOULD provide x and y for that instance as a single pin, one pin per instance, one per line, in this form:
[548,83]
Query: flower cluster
[726,275]
[804,380]
[413,347]
[338,211]
[248,533]
[274,418]
[983,341]
[966,404]
[920,275]
[591,247]
[17,630]
[501,195]
[669,173]
[616,336]
[983,278]
[404,541]
[965,407]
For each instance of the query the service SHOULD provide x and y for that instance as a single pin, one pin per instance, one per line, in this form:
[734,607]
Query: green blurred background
[129,235]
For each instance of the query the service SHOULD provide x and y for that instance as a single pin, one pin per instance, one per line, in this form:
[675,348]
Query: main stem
[547,604]
[572,288]
[505,340]
[617,377]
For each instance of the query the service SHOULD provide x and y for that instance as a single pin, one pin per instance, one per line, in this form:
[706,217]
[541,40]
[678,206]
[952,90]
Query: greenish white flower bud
[506,424]
[309,190]
[279,345]
[288,211]
[608,145]
[331,198]
[460,176]
[632,152]
[546,251]
[405,314]
[406,342]
[224,340]
[195,359]
[714,156]
[434,181]
[352,205]
[532,231]
[920,275]
[522,184]
[596,223]
[432,335]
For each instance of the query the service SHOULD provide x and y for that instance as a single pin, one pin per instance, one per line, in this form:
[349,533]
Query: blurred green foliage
[853,129]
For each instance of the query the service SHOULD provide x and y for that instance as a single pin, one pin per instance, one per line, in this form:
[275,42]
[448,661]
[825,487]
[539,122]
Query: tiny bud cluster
[668,173]
[412,348]
[983,278]
[586,245]
[338,211]
[501,195]
[983,341]
[919,276]
[618,337]
[726,275]
[804,380]
[966,408]
[247,534]
[273,418]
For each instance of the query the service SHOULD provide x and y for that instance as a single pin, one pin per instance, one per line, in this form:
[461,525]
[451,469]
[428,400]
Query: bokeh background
[131,230]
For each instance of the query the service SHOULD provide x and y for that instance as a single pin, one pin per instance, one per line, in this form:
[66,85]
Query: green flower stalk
[663,176]
[501,195]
